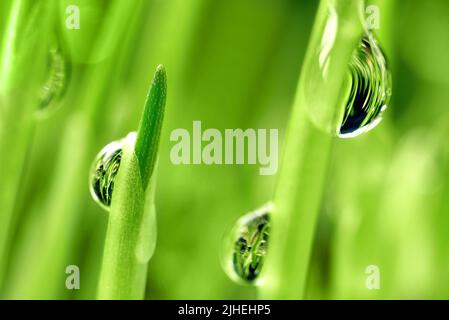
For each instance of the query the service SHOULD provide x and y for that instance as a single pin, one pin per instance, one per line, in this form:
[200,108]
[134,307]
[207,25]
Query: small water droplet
[370,91]
[103,172]
[246,246]
[55,83]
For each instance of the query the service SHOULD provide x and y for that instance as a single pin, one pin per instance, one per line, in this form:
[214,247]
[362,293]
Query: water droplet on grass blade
[246,246]
[55,84]
[104,171]
[370,89]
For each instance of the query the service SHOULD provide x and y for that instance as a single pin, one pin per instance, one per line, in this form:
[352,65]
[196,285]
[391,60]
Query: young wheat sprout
[131,234]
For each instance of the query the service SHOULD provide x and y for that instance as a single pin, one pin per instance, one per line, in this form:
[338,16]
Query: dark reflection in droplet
[103,172]
[246,246]
[370,89]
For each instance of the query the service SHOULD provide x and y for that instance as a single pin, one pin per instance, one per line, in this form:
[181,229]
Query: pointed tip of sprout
[160,68]
[160,79]
[147,141]
[160,75]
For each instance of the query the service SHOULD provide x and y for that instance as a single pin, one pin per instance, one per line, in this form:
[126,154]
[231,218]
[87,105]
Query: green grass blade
[131,234]
[123,275]
[150,125]
[301,182]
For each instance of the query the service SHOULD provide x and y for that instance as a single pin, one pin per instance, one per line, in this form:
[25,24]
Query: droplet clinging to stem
[104,171]
[370,89]
[246,246]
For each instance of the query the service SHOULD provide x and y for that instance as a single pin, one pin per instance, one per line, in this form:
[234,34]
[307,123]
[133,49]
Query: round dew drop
[370,92]
[246,246]
[103,172]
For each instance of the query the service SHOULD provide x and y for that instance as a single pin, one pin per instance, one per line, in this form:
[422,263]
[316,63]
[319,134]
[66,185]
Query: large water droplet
[103,172]
[370,91]
[55,84]
[246,246]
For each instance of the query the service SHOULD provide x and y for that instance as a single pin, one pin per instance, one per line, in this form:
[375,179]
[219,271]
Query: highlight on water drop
[370,89]
[246,246]
[104,171]
[55,83]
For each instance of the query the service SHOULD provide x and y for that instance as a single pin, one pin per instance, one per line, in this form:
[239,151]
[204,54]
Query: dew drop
[246,246]
[103,172]
[55,82]
[370,89]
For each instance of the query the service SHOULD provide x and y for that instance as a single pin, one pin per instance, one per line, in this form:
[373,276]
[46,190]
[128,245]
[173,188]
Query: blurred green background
[230,64]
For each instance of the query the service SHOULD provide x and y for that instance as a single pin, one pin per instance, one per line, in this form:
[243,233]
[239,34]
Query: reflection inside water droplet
[370,91]
[246,246]
[55,84]
[103,172]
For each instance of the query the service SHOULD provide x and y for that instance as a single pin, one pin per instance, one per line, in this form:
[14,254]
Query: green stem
[316,111]
[131,234]
[7,51]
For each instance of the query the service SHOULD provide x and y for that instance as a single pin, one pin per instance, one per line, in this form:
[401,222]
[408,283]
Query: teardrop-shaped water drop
[245,247]
[103,172]
[370,89]
[55,83]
